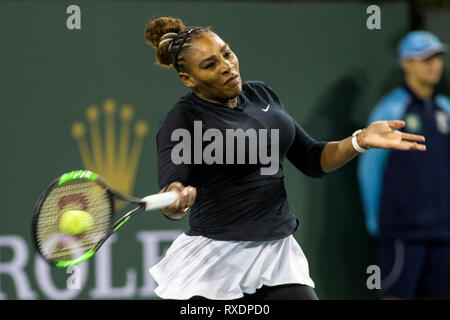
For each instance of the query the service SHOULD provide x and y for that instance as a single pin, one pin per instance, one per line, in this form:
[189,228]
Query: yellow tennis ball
[75,222]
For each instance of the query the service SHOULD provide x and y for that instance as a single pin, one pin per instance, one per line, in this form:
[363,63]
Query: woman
[240,242]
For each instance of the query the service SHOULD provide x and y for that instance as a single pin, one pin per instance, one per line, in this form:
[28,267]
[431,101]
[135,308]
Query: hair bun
[159,28]
[168,37]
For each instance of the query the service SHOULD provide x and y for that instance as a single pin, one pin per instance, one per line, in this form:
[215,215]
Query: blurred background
[58,86]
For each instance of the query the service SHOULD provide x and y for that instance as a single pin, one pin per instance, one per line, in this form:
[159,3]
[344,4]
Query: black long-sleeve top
[238,197]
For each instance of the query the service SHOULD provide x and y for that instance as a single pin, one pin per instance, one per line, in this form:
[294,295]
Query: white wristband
[355,143]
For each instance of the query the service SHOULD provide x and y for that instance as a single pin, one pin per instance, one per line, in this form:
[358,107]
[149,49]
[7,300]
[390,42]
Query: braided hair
[171,39]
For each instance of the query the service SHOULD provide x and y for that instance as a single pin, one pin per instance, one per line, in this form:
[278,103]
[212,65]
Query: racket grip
[160,200]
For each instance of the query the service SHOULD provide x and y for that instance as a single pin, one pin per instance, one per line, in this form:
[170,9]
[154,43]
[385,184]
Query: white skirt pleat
[225,270]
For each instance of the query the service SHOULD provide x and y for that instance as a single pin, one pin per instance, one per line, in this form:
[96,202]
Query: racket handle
[160,200]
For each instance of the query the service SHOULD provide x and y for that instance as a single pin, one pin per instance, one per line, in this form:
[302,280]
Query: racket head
[76,190]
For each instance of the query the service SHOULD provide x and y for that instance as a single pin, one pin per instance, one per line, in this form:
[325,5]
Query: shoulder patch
[413,123]
[444,103]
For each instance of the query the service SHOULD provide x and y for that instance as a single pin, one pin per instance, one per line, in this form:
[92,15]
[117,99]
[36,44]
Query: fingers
[418,147]
[186,199]
[406,145]
[412,137]
[175,186]
[192,194]
[406,137]
[396,124]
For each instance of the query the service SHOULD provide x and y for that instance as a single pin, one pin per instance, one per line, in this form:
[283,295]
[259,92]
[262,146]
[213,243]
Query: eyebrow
[212,57]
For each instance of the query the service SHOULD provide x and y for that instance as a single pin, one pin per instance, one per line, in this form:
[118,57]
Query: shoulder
[181,114]
[392,105]
[397,97]
[256,85]
[182,108]
[260,89]
[444,103]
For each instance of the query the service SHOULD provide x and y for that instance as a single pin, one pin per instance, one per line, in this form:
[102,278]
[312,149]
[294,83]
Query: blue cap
[420,45]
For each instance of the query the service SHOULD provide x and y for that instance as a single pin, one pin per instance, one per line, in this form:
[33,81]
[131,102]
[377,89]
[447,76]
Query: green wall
[326,66]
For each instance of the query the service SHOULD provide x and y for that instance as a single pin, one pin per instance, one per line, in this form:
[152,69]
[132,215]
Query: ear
[404,67]
[405,64]
[187,79]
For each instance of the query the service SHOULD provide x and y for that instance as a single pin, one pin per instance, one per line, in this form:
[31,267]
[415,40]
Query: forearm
[335,154]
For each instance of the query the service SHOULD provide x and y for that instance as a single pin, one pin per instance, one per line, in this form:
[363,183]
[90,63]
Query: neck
[231,103]
[422,90]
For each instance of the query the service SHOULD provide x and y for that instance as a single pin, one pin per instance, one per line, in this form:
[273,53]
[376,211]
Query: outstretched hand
[382,134]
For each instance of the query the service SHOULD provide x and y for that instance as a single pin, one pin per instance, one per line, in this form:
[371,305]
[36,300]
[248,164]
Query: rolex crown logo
[115,161]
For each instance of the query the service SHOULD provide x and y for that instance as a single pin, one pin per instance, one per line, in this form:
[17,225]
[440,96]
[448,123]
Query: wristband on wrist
[355,143]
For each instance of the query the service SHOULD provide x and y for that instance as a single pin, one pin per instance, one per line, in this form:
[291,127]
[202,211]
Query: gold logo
[115,162]
[413,123]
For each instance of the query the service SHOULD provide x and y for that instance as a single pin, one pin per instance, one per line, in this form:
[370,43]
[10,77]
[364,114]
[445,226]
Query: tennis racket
[83,191]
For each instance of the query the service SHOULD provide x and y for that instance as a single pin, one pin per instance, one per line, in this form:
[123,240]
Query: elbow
[317,171]
[324,165]
[325,169]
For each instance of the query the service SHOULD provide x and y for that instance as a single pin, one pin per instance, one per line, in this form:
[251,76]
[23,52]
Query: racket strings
[79,194]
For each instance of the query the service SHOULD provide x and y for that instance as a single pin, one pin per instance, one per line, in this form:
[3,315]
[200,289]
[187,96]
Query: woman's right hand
[179,208]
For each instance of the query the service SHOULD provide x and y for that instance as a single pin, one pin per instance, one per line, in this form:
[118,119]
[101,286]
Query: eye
[209,65]
[228,53]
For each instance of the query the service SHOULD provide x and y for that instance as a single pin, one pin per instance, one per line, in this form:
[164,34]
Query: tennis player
[240,243]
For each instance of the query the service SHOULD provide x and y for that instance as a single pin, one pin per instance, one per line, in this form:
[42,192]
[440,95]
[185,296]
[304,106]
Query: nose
[435,64]
[226,67]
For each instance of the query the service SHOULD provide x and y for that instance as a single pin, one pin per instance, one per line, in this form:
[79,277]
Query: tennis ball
[75,222]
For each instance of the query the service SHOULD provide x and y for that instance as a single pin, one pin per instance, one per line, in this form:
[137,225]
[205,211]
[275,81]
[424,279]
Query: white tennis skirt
[225,270]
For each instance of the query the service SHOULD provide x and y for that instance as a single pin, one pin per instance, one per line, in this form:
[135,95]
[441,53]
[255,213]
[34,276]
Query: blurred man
[406,194]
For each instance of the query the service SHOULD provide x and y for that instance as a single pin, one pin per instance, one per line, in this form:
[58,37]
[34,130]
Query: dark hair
[171,53]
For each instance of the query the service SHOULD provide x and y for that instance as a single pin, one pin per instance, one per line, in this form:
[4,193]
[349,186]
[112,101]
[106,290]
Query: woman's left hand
[381,134]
